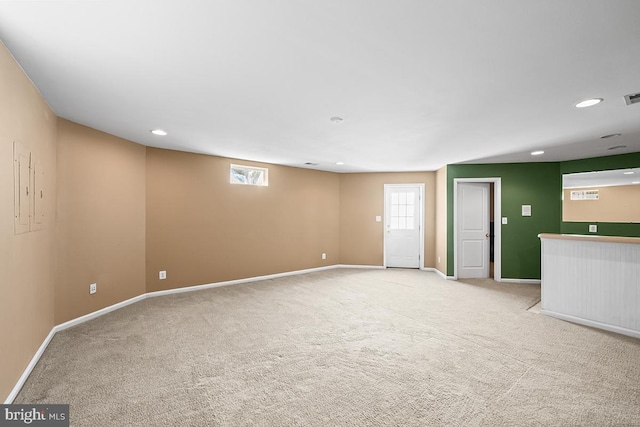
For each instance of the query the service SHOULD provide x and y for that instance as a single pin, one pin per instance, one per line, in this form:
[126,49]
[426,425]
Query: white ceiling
[419,84]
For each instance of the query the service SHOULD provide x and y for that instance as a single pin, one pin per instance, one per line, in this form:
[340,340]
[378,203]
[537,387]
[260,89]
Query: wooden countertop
[581,237]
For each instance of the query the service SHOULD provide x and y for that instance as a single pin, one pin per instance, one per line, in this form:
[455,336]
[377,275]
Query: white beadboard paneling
[597,282]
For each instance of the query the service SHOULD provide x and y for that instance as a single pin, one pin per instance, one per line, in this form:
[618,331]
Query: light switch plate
[378,218]
[504,220]
[526,210]
[162,275]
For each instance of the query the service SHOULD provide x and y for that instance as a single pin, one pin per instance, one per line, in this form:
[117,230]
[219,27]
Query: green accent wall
[604,228]
[538,185]
[535,184]
[621,161]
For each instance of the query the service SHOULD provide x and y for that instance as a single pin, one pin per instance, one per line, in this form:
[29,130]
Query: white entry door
[402,226]
[473,230]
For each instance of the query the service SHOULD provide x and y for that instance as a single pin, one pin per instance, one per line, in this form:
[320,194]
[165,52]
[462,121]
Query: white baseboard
[439,273]
[529,281]
[32,364]
[593,323]
[98,313]
[364,267]
[36,357]
[238,281]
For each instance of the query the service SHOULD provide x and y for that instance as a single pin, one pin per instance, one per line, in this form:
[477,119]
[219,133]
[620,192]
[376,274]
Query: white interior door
[402,226]
[473,229]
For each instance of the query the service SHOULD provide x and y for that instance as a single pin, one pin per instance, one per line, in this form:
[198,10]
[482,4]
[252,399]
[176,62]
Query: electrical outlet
[162,275]
[93,288]
[324,256]
[593,228]
[438,260]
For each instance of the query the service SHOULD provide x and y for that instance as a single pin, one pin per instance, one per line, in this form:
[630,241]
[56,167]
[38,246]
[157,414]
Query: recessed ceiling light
[617,147]
[336,119]
[629,173]
[339,163]
[311,164]
[588,102]
[537,153]
[612,135]
[159,132]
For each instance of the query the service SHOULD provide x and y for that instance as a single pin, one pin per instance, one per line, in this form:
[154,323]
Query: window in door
[403,211]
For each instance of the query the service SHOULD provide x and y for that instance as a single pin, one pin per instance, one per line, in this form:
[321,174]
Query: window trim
[265,171]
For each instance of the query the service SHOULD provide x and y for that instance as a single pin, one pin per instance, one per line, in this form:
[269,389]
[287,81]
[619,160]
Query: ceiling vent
[632,98]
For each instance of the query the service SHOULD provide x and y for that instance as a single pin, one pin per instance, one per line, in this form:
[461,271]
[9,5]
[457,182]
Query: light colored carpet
[341,348]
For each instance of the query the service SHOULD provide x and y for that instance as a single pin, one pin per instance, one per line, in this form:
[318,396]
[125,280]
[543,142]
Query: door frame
[497,224]
[420,221]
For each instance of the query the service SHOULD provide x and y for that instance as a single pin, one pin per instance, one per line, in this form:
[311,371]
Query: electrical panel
[29,194]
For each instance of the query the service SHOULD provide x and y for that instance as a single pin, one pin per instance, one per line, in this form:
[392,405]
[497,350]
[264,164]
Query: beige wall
[614,204]
[441,220]
[118,212]
[202,229]
[101,220]
[362,199]
[26,260]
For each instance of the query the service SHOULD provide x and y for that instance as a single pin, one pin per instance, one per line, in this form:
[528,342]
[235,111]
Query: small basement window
[249,175]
